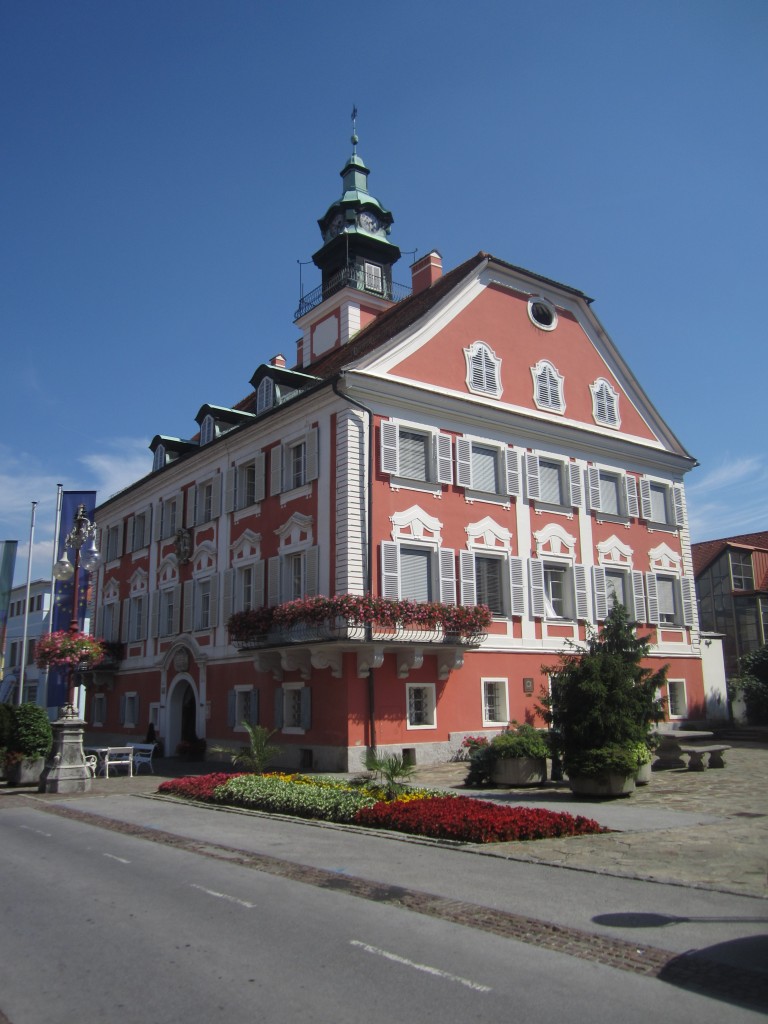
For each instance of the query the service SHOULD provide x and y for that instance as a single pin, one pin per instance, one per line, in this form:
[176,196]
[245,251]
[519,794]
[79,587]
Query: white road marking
[37,831]
[112,856]
[475,986]
[224,896]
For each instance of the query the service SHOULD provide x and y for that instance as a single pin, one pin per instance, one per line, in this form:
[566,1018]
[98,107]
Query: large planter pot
[26,772]
[608,785]
[643,774]
[519,771]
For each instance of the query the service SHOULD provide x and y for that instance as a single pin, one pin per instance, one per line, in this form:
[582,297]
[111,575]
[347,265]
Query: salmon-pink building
[474,439]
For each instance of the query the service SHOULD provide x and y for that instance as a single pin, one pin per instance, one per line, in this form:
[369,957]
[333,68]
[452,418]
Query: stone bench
[702,757]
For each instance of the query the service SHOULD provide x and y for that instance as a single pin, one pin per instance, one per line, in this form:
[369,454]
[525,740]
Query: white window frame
[170,516]
[501,685]
[130,710]
[438,450]
[628,504]
[137,618]
[507,468]
[374,277]
[281,477]
[114,546]
[281,574]
[158,459]
[677,684]
[207,504]
[633,591]
[548,387]
[245,695]
[168,610]
[139,534]
[512,577]
[483,370]
[605,403]
[570,481]
[245,484]
[287,694]
[575,597]
[429,690]
[265,395]
[539,300]
[442,570]
[674,503]
[110,621]
[684,596]
[207,430]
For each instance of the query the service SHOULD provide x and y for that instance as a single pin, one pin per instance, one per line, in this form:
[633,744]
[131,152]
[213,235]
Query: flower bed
[415,812]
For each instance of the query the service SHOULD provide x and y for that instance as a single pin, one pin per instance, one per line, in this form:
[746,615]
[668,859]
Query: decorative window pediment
[296,530]
[416,524]
[204,558]
[483,370]
[664,559]
[139,582]
[614,552]
[554,540]
[167,571]
[246,547]
[488,534]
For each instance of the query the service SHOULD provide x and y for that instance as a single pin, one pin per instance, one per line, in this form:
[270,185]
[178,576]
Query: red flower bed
[466,820]
[196,787]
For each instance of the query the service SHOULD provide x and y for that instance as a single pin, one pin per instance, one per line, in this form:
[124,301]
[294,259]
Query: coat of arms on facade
[183,546]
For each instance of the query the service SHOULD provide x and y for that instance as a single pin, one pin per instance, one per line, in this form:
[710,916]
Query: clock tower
[356,250]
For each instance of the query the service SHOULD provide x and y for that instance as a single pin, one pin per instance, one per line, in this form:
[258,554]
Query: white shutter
[516,585]
[390,570]
[638,596]
[119,546]
[126,618]
[227,595]
[311,455]
[536,577]
[630,493]
[582,591]
[645,498]
[189,604]
[467,572]
[595,504]
[230,479]
[388,445]
[176,609]
[311,566]
[129,539]
[463,462]
[159,518]
[653,598]
[273,580]
[689,598]
[259,483]
[143,617]
[216,484]
[512,465]
[444,459]
[213,614]
[678,502]
[149,514]
[189,519]
[276,469]
[258,585]
[532,475]
[154,622]
[447,559]
[599,590]
[574,474]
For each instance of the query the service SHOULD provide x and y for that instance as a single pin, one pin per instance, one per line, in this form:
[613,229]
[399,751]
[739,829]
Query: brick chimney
[277,361]
[426,271]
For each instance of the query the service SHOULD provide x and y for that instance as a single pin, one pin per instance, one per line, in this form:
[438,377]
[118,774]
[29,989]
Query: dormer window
[265,395]
[159,459]
[483,370]
[207,430]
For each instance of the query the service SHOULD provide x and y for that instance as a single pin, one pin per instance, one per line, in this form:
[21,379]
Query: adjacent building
[25,627]
[475,438]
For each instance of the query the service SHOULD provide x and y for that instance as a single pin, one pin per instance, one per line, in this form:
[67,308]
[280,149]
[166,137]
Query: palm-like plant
[258,754]
[391,769]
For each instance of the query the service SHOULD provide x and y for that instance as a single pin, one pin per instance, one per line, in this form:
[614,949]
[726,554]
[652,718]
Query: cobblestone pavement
[706,829]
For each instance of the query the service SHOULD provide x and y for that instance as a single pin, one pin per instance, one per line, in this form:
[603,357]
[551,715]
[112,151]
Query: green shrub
[523,741]
[31,733]
[753,685]
[614,759]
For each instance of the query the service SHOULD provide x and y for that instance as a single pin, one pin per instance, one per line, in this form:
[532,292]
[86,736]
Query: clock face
[368,222]
[335,226]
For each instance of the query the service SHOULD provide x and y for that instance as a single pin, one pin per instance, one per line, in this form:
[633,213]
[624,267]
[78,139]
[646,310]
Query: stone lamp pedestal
[66,770]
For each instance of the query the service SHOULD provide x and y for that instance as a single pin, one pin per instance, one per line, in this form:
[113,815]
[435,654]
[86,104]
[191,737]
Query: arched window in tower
[605,403]
[265,395]
[483,370]
[547,387]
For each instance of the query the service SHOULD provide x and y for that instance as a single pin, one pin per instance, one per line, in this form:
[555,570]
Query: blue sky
[165,162]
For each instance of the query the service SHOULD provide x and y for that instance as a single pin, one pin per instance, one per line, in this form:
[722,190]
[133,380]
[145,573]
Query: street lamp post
[66,771]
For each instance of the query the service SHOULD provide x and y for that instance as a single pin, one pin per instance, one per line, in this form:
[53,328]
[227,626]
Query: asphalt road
[202,914]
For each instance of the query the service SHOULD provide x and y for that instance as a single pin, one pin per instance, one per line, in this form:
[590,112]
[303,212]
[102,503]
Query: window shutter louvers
[638,596]
[260,464]
[444,459]
[516,585]
[447,559]
[574,474]
[227,594]
[388,448]
[678,501]
[463,462]
[311,567]
[126,618]
[689,599]
[600,593]
[651,590]
[645,498]
[230,486]
[468,583]
[154,629]
[582,592]
[390,570]
[536,576]
[306,708]
[532,480]
[630,493]
[593,483]
[129,539]
[276,469]
[189,596]
[273,581]
[311,455]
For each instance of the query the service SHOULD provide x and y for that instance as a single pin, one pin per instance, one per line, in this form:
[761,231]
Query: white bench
[118,757]
[142,755]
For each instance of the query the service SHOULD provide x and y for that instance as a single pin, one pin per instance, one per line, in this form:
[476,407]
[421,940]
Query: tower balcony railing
[352,276]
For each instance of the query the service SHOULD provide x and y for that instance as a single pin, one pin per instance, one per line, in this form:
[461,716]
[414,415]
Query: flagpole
[23,670]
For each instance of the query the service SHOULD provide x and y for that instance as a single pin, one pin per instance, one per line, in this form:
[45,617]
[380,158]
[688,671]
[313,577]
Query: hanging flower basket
[68,650]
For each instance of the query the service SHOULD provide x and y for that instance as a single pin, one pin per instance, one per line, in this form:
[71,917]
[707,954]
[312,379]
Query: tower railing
[352,276]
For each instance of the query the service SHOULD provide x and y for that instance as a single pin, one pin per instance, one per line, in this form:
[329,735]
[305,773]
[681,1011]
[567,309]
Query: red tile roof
[706,551]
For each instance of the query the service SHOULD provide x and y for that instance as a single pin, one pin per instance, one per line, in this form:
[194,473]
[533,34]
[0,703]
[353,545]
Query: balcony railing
[355,632]
[351,276]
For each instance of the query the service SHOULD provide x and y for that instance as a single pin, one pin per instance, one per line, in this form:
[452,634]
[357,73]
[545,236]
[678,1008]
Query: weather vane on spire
[354,128]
